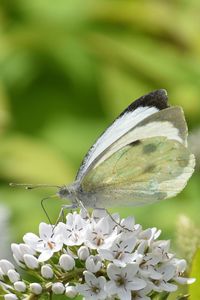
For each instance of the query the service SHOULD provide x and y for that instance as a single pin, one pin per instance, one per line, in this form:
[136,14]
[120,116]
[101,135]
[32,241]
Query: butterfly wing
[135,113]
[141,172]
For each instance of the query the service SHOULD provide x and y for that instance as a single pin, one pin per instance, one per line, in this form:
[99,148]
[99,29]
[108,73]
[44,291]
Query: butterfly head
[66,192]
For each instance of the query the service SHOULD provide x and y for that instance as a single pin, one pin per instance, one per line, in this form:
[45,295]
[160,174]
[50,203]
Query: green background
[67,69]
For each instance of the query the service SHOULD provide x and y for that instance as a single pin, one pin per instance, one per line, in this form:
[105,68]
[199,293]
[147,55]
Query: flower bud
[16,251]
[10,297]
[71,291]
[66,262]
[13,276]
[31,261]
[47,272]
[18,262]
[36,288]
[83,252]
[26,249]
[58,288]
[20,286]
[5,266]
[93,263]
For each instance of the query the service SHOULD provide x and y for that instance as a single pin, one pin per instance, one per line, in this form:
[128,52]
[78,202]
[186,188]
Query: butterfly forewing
[136,112]
[141,172]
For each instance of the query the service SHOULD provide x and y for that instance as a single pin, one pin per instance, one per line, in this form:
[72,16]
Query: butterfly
[142,157]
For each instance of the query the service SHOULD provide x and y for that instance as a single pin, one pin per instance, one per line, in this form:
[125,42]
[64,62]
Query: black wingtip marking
[156,99]
[135,143]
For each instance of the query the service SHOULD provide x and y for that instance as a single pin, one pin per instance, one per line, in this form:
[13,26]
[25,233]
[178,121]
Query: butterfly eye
[64,192]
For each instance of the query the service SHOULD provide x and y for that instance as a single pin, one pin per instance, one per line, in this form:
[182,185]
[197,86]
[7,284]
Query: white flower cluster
[96,256]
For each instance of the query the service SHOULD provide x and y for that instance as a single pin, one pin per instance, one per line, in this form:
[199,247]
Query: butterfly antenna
[44,209]
[28,186]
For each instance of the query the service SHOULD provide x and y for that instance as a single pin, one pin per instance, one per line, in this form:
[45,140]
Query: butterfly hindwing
[141,172]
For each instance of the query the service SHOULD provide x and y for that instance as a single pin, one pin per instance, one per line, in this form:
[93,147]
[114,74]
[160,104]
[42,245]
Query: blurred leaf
[194,289]
[29,160]
[161,296]
[4,110]
[73,136]
[117,86]
[183,297]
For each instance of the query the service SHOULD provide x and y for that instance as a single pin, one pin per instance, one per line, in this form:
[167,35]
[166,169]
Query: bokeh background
[67,69]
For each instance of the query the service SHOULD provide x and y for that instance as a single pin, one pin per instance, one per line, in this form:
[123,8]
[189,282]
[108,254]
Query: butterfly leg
[117,223]
[63,208]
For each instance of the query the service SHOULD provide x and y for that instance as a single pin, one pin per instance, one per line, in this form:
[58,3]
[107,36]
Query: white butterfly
[141,158]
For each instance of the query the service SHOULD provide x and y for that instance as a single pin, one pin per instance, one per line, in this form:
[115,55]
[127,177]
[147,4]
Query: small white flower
[73,231]
[5,266]
[31,261]
[36,288]
[124,280]
[83,253]
[70,291]
[10,297]
[180,266]
[48,242]
[142,294]
[121,251]
[98,214]
[66,262]
[148,271]
[93,288]
[58,288]
[158,252]
[13,275]
[20,286]
[47,272]
[136,264]
[93,263]
[99,235]
[128,223]
[150,235]
[167,272]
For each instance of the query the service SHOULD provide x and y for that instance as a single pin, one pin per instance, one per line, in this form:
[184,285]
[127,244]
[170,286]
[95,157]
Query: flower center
[120,281]
[51,245]
[99,241]
[119,255]
[95,289]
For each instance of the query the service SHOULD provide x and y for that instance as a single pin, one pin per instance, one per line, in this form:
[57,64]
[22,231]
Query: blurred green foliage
[194,290]
[67,68]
